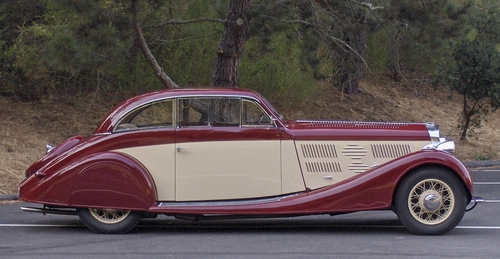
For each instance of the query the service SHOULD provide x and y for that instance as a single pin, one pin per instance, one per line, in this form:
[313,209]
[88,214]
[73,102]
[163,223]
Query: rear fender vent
[390,150]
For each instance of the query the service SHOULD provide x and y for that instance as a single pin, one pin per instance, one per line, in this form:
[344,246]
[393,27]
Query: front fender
[441,158]
[113,180]
[375,188]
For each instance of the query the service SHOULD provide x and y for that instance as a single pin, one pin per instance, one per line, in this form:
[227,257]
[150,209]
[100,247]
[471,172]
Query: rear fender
[113,180]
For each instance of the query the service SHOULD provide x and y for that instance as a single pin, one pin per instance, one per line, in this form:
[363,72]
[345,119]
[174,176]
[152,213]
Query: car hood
[349,130]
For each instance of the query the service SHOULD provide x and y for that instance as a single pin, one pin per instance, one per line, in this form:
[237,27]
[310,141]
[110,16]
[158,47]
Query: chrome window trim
[177,109]
[206,95]
[272,120]
[144,106]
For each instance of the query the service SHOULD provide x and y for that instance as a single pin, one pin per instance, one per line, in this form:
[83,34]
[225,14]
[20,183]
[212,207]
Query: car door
[227,148]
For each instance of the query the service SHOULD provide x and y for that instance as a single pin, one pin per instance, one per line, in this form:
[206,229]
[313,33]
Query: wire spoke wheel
[109,216]
[431,201]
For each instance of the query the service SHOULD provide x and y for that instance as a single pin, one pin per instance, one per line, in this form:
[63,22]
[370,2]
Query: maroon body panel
[225,134]
[56,153]
[343,130]
[99,180]
[112,180]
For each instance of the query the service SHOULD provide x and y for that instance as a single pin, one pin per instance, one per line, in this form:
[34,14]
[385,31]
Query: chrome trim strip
[102,134]
[223,203]
[45,210]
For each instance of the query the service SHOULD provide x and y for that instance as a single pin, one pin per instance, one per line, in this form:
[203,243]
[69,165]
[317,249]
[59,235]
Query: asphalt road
[358,235]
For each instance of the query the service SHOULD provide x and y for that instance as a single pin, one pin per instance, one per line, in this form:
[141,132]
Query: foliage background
[64,64]
[78,47]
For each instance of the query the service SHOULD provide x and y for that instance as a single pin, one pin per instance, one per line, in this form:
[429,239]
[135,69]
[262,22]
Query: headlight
[446,145]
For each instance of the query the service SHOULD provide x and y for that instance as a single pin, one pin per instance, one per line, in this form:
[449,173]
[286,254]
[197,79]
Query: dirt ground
[27,127]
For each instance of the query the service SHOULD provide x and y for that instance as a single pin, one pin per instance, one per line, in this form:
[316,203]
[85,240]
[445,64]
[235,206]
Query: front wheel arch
[430,200]
[440,167]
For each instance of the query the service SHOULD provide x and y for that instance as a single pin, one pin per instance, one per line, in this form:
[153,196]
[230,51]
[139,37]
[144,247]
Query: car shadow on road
[295,225]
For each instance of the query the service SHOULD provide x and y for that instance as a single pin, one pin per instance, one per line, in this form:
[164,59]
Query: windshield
[273,110]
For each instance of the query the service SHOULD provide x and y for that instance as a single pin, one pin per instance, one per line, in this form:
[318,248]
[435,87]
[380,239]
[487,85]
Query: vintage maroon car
[204,153]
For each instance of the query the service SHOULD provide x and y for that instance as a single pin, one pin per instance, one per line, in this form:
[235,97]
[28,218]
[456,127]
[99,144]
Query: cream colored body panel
[292,180]
[160,162]
[228,170]
[251,169]
[328,162]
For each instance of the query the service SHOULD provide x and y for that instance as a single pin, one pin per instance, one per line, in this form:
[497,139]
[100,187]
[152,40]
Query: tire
[109,221]
[430,201]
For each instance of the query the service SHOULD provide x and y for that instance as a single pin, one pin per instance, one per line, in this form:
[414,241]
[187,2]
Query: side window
[154,115]
[253,115]
[209,112]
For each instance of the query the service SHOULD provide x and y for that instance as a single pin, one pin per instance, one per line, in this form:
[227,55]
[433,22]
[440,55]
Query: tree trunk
[394,47]
[467,114]
[349,65]
[158,70]
[230,47]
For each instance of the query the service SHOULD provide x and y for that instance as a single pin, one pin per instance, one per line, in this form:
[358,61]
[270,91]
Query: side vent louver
[317,156]
[356,153]
[319,151]
[323,167]
[390,150]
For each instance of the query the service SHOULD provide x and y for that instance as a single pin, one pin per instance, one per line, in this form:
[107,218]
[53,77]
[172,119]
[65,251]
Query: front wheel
[430,201]
[109,221]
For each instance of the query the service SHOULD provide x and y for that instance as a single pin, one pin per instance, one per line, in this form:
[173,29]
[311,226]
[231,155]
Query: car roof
[137,101]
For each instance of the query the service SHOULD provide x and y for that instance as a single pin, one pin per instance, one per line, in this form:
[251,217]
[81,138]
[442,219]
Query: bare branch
[293,21]
[187,38]
[367,5]
[200,20]
[393,42]
[340,43]
[158,70]
[172,15]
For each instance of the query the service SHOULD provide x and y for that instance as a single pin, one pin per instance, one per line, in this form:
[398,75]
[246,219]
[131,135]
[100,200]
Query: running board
[190,217]
[46,210]
[224,202]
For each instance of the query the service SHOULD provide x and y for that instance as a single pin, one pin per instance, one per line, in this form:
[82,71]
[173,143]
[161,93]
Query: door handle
[179,149]
[40,174]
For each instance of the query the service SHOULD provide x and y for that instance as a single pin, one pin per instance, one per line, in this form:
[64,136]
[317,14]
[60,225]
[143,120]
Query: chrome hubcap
[431,202]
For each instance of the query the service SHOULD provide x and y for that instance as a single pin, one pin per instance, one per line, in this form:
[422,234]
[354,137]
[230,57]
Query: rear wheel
[109,221]
[431,201]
